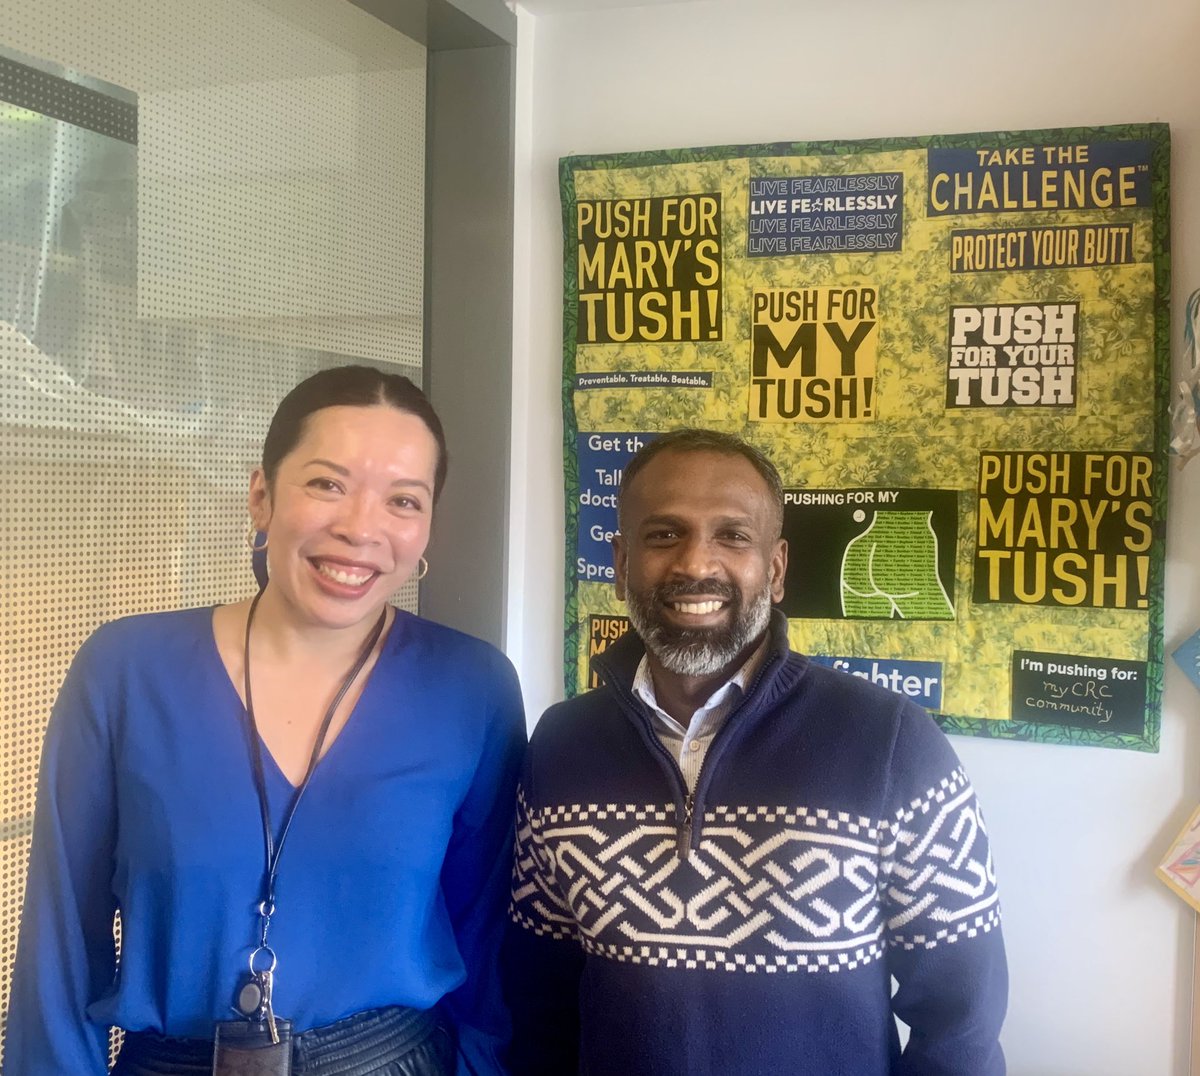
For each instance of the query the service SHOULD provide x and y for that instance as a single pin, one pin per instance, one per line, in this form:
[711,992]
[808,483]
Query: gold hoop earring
[424,570]
[252,535]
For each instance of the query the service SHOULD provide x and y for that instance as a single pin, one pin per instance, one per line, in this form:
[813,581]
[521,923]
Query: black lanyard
[272,851]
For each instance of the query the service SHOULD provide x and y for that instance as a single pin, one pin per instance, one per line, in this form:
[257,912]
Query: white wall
[1100,952]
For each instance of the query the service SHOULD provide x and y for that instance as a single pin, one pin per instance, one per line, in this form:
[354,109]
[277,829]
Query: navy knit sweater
[833,842]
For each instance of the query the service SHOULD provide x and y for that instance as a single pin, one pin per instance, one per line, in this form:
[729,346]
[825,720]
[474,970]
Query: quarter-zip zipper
[686,817]
[684,800]
[690,835]
[683,844]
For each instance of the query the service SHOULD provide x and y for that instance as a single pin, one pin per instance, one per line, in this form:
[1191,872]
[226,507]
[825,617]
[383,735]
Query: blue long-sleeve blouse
[391,888]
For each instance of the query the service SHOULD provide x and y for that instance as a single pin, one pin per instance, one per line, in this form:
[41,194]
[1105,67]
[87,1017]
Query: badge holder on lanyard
[261,1044]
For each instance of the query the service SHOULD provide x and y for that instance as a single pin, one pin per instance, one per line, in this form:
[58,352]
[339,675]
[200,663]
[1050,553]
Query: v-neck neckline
[243,720]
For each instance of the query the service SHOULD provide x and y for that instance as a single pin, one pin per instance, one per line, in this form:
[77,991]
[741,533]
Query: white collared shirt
[690,745]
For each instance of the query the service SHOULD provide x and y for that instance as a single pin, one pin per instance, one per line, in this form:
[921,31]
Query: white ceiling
[564,7]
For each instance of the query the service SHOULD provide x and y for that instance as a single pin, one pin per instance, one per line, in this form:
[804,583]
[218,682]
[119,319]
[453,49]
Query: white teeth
[698,607]
[339,575]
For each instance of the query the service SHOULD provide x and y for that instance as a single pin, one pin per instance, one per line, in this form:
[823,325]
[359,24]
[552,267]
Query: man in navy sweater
[725,854]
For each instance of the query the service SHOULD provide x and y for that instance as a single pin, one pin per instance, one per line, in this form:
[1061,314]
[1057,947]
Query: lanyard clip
[266,909]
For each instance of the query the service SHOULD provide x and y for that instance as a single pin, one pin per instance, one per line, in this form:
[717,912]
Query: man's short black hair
[693,439]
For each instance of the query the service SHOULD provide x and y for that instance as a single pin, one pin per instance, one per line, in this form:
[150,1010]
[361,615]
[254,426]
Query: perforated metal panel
[200,205]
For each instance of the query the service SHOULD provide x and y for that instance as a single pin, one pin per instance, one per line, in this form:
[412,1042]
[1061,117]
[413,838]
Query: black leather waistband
[357,1045]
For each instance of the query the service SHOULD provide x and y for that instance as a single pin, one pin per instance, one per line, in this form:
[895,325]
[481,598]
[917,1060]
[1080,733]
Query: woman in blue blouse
[300,803]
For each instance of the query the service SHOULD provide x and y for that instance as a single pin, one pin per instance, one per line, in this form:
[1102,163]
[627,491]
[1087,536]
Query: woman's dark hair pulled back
[348,386]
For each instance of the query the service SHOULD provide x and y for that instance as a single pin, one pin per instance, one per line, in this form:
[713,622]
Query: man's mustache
[697,588]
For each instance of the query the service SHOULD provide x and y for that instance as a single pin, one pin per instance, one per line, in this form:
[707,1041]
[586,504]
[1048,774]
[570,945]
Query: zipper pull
[684,845]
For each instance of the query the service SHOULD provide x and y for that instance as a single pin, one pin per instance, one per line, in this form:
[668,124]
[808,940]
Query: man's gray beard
[698,651]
